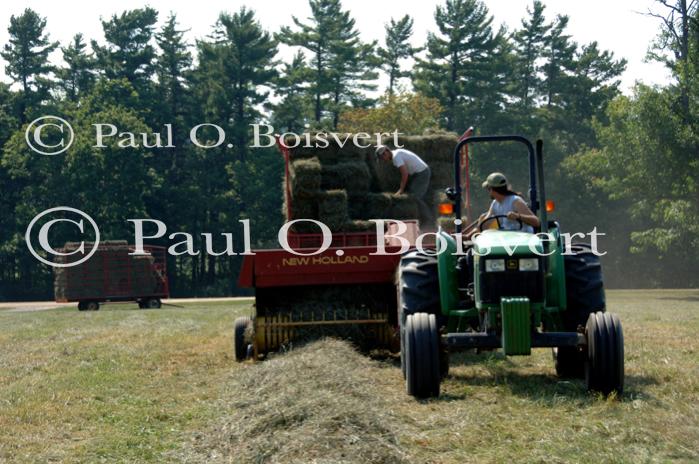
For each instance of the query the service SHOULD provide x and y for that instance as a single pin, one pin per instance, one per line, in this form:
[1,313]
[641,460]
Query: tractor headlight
[494,265]
[529,264]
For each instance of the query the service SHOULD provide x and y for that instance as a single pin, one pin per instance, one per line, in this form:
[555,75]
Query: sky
[616,25]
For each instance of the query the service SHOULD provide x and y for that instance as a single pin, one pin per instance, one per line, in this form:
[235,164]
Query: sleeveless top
[505,207]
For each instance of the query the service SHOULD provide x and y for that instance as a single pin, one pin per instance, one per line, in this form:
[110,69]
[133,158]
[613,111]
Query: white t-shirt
[507,205]
[412,162]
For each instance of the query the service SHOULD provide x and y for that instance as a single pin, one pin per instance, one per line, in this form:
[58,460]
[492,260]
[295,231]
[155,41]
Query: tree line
[624,163]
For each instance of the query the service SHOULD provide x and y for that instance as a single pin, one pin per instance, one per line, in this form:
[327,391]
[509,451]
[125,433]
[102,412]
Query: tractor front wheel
[240,342]
[604,368]
[422,367]
[418,291]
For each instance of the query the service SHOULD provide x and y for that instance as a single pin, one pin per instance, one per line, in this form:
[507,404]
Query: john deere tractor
[508,290]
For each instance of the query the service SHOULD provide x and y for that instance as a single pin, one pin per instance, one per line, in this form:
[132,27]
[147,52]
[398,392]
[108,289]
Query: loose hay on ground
[315,403]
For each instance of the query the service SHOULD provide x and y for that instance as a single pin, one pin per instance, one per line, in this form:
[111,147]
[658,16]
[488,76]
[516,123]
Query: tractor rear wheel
[604,369]
[585,295]
[418,291]
[422,355]
[240,343]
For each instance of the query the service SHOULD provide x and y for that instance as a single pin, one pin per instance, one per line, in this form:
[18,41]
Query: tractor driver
[506,203]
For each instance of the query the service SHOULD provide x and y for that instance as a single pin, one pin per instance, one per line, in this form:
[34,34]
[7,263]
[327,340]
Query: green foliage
[242,55]
[397,48]
[294,110]
[530,43]
[128,53]
[647,159]
[461,58]
[340,62]
[626,165]
[27,54]
[78,76]
[409,113]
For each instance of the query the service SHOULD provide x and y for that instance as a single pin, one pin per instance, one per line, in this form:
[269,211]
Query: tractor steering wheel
[497,218]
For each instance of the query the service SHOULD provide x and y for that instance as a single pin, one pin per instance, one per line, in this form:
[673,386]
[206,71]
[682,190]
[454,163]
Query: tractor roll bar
[534,203]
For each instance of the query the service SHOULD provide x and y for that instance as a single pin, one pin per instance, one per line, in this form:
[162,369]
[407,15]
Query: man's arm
[523,213]
[403,179]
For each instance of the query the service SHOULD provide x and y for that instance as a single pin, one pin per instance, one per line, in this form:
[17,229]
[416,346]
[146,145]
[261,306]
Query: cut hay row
[313,404]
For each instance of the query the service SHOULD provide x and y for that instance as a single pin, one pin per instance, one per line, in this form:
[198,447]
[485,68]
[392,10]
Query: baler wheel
[240,344]
[422,367]
[604,369]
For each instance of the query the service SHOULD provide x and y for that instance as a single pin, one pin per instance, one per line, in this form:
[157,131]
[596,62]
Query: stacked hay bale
[110,272]
[344,187]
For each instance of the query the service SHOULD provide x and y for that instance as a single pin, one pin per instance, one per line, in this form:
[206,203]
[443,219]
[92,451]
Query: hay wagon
[112,274]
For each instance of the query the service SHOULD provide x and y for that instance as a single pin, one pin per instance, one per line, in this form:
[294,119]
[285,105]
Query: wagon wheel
[152,303]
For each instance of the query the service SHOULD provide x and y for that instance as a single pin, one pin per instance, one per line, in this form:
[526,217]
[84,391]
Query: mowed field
[129,385]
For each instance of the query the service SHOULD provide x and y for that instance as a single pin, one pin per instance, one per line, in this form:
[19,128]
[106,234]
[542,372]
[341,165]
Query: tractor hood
[507,243]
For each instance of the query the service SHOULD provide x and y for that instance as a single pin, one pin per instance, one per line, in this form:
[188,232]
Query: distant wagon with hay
[112,273]
[346,290]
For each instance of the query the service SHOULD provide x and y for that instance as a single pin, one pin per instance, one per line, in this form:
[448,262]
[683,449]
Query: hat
[495,179]
[380,150]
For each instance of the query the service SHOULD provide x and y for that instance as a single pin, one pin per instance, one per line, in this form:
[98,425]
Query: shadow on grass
[548,388]
[694,297]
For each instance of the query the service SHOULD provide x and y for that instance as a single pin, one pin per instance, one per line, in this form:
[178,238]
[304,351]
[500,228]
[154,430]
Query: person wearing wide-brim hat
[507,203]
[415,176]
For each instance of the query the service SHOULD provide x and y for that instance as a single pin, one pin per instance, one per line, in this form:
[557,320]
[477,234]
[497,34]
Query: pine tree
[560,60]
[341,63]
[27,55]
[530,42]
[397,48]
[171,67]
[459,63]
[129,53]
[79,74]
[596,81]
[293,111]
[351,68]
[316,37]
[246,53]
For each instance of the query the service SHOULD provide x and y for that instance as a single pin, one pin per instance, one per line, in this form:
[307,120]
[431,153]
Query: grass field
[124,385]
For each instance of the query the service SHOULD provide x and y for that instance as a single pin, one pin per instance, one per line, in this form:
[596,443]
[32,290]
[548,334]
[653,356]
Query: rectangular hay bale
[332,209]
[354,177]
[304,176]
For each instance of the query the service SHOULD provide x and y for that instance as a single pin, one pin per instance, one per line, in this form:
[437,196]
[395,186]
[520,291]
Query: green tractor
[507,289]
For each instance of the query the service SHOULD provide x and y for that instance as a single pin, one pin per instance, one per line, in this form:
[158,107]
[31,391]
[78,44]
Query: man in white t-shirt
[415,176]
